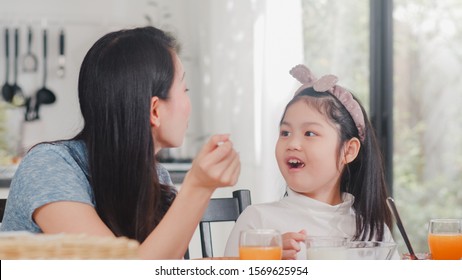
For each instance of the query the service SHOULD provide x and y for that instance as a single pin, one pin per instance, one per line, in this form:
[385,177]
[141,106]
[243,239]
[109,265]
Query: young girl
[105,181]
[329,157]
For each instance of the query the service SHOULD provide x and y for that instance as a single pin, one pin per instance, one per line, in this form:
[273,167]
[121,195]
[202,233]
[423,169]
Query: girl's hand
[291,244]
[216,165]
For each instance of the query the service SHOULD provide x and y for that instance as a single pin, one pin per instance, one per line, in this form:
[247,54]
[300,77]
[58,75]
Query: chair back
[2,208]
[221,210]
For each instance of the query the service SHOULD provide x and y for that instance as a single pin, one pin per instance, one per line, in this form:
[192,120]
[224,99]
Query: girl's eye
[284,133]
[310,134]
[186,89]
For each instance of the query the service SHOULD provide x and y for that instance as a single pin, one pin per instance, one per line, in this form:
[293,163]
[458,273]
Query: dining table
[25,245]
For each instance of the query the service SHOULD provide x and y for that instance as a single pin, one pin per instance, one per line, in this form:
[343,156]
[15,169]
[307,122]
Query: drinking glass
[445,239]
[326,248]
[260,244]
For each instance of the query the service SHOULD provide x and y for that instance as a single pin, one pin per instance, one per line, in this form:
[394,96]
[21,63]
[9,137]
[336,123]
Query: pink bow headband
[328,83]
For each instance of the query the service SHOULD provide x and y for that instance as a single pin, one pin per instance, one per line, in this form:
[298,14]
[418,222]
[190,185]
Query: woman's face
[307,153]
[173,112]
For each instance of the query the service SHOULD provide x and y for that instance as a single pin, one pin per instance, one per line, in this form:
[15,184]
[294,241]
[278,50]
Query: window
[427,114]
[336,41]
[426,155]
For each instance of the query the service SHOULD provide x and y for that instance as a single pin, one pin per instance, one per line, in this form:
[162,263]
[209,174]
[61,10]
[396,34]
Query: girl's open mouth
[294,163]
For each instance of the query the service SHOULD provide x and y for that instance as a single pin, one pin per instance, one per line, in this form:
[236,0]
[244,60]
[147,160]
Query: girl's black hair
[363,177]
[119,75]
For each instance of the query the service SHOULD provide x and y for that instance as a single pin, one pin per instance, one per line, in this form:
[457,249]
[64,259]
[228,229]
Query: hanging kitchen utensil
[18,96]
[32,108]
[43,95]
[7,89]
[30,62]
[61,58]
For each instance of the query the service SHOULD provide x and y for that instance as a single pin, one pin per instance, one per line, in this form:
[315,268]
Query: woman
[105,181]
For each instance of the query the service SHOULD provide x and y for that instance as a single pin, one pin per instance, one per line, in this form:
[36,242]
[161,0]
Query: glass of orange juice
[260,244]
[445,239]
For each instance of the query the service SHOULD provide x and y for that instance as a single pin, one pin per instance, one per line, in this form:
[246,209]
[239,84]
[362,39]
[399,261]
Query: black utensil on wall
[61,58]
[18,95]
[43,95]
[7,89]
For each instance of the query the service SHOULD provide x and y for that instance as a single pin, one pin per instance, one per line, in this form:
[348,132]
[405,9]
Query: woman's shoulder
[62,149]
[49,157]
[48,173]
[163,175]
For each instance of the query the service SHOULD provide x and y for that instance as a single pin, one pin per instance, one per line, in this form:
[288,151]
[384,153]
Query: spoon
[394,211]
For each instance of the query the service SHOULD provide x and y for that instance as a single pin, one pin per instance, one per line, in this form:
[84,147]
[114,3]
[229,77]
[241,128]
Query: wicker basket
[66,246]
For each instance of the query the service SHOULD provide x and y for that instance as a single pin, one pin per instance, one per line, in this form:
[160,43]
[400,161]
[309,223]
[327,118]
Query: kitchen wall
[236,54]
[83,22]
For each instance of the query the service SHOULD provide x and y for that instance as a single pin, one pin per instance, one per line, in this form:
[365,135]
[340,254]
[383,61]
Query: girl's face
[174,112]
[307,153]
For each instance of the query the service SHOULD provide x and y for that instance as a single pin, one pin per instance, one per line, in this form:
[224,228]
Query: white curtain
[237,55]
[245,50]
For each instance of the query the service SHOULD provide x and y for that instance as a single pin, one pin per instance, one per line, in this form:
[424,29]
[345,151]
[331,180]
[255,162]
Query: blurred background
[402,58]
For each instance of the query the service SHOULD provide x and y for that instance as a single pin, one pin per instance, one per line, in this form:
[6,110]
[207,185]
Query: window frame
[381,80]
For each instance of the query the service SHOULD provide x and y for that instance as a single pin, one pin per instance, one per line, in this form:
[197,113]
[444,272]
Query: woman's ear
[351,150]
[154,112]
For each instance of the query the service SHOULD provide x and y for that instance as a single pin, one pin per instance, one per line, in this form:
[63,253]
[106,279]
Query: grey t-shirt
[50,173]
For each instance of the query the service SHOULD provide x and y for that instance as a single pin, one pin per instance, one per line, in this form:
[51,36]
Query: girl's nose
[294,144]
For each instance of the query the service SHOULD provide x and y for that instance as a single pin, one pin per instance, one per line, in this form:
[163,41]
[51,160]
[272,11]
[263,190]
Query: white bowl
[325,248]
[370,250]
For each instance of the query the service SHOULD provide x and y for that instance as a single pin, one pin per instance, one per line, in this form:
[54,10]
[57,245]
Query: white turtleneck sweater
[296,212]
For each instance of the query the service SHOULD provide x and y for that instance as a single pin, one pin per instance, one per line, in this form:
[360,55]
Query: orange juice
[445,246]
[260,253]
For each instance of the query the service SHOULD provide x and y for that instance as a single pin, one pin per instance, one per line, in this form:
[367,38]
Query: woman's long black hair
[118,77]
[363,177]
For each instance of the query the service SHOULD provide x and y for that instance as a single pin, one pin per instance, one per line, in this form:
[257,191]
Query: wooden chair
[221,210]
[2,208]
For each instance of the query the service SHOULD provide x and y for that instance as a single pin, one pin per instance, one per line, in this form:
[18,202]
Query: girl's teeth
[294,163]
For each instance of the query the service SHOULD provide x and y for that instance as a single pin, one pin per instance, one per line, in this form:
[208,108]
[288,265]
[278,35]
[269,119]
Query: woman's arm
[70,217]
[215,166]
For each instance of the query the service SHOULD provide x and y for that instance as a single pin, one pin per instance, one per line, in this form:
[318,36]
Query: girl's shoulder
[264,209]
